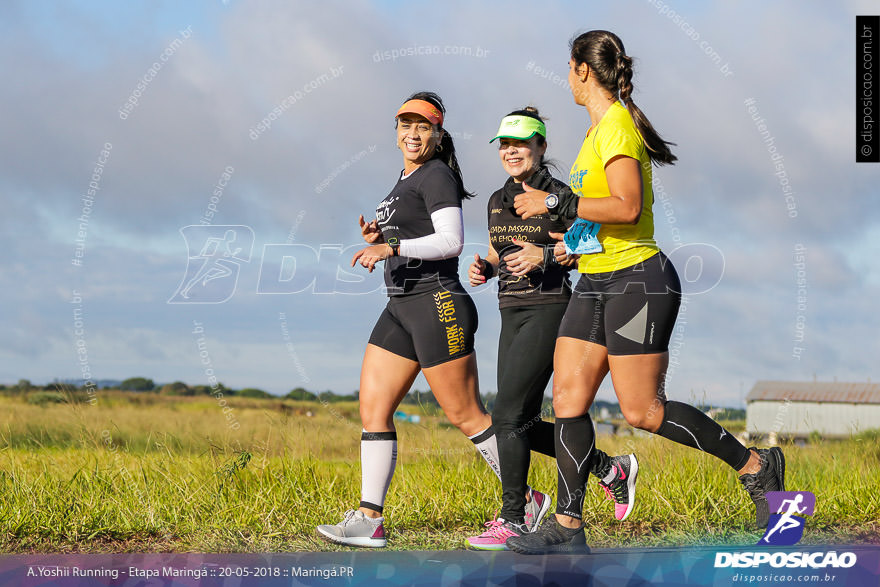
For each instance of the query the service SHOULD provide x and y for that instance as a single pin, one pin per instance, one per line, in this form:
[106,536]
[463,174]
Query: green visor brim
[520,127]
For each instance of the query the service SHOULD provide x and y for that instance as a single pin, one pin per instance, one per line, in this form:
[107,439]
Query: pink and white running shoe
[622,489]
[496,535]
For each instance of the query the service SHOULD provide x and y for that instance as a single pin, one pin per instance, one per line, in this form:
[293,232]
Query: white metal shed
[797,409]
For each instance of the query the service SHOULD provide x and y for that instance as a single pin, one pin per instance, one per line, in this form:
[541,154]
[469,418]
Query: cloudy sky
[282,112]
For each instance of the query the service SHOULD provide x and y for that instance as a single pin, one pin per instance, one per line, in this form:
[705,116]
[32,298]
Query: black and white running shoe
[770,477]
[550,538]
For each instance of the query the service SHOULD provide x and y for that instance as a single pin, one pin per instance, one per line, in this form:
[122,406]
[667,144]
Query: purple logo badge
[787,508]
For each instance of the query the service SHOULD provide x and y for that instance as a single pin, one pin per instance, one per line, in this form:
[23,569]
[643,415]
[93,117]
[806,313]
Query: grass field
[145,473]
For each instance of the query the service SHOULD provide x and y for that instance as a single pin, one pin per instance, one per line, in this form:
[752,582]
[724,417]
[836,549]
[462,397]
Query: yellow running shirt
[623,245]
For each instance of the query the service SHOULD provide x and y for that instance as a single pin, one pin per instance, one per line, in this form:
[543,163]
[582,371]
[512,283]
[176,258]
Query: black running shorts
[631,311]
[430,328]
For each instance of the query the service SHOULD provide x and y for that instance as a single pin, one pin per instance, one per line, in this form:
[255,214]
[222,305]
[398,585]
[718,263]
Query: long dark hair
[603,52]
[445,151]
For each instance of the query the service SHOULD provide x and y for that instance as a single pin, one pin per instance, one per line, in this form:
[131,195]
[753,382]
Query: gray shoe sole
[361,541]
[780,466]
[578,546]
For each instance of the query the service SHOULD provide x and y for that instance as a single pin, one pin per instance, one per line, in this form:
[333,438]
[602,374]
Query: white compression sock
[378,459]
[488,447]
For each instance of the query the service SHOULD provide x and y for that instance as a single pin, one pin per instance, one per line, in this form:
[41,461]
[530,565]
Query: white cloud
[243,60]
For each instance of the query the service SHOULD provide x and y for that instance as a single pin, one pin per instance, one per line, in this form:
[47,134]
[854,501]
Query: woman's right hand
[476,271]
[530,202]
[370,231]
[559,252]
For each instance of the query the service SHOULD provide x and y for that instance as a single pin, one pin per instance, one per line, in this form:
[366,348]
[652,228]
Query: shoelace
[619,493]
[497,529]
[495,520]
[347,517]
[550,531]
[752,485]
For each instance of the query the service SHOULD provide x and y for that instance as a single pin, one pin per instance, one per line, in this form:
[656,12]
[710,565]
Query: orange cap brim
[422,108]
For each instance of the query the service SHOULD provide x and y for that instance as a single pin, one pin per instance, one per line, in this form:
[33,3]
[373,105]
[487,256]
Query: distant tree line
[178,388]
[55,392]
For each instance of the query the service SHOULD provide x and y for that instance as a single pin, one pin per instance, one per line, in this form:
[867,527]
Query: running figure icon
[788,511]
[215,264]
[212,272]
[786,522]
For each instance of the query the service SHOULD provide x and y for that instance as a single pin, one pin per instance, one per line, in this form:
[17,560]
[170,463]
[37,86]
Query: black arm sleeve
[567,210]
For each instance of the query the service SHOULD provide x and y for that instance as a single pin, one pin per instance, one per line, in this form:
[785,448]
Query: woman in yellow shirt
[623,309]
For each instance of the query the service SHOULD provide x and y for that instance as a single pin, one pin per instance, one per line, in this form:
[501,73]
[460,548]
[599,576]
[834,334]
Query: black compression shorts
[431,328]
[631,311]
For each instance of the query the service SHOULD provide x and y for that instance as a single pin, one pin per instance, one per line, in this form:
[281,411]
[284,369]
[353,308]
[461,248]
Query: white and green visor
[520,127]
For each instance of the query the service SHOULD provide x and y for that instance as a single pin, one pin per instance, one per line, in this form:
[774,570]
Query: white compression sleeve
[446,242]
[487,446]
[378,460]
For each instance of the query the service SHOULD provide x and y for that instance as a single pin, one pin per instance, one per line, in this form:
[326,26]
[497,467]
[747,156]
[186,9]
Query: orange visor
[422,108]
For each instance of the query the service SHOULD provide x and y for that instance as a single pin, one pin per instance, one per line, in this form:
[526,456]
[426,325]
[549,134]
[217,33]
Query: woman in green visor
[532,268]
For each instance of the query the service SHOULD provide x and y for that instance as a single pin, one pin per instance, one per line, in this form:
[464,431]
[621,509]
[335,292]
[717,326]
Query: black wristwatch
[551,201]
[395,249]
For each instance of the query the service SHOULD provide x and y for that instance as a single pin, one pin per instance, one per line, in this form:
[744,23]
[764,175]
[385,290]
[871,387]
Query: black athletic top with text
[550,285]
[406,213]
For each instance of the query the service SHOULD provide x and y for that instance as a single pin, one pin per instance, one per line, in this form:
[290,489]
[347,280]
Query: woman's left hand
[528,258]
[370,231]
[530,202]
[369,256]
[560,254]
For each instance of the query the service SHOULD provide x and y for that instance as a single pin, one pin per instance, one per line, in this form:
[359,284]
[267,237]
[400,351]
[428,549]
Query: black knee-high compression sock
[575,441]
[542,439]
[685,424]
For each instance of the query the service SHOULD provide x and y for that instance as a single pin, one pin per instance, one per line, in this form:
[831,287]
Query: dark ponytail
[604,54]
[445,151]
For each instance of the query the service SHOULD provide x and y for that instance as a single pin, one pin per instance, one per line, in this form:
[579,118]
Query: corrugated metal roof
[815,391]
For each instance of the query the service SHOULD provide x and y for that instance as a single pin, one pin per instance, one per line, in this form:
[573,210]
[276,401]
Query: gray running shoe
[770,477]
[536,509]
[550,538]
[355,529]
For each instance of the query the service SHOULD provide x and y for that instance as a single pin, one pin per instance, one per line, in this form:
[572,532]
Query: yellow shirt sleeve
[617,139]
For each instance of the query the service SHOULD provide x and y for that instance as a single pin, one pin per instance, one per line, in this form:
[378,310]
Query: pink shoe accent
[494,538]
[380,532]
[620,509]
[491,525]
[538,497]
[623,480]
